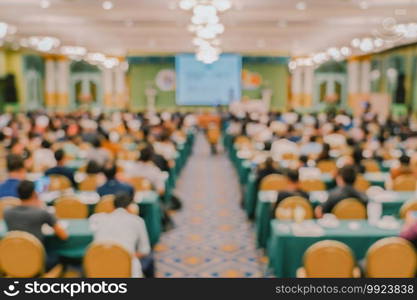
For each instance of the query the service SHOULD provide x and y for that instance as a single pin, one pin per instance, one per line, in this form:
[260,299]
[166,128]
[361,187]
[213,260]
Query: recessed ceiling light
[107,5]
[45,3]
[301,5]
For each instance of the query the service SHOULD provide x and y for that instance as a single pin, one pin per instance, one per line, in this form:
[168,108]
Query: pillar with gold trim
[308,84]
[366,76]
[120,87]
[50,82]
[297,87]
[108,88]
[353,70]
[62,99]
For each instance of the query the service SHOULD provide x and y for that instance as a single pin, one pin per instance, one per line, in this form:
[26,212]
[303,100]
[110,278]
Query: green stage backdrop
[258,73]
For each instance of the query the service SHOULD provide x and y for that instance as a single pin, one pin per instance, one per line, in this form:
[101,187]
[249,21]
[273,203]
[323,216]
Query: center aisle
[212,237]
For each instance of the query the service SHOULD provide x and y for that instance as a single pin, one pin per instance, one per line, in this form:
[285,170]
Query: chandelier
[205,24]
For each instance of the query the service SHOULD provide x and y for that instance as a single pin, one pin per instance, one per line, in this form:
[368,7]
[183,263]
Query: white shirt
[100,155]
[44,158]
[125,229]
[283,146]
[167,150]
[146,170]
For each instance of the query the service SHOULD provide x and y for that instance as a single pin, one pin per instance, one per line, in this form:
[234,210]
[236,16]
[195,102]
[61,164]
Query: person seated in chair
[266,169]
[403,169]
[113,185]
[30,216]
[345,180]
[128,230]
[146,168]
[17,172]
[293,188]
[60,168]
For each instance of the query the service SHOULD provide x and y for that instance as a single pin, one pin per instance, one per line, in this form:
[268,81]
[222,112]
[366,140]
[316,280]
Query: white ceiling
[257,26]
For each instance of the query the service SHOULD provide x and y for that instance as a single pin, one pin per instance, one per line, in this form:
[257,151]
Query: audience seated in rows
[293,188]
[16,173]
[113,185]
[345,180]
[31,215]
[60,168]
[128,230]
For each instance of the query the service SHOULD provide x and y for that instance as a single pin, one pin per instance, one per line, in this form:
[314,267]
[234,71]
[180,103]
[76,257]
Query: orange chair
[273,182]
[70,207]
[105,260]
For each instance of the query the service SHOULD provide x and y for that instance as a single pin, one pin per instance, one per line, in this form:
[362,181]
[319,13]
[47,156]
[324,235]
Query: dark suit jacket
[340,193]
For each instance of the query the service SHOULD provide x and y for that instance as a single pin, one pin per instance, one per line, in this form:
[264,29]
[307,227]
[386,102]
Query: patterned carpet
[212,237]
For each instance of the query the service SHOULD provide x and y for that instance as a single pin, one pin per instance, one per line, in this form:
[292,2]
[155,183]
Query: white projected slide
[218,83]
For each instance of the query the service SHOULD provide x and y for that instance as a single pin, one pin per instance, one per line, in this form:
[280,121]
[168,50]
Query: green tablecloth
[80,236]
[250,197]
[375,179]
[285,250]
[390,207]
[251,194]
[149,210]
[264,214]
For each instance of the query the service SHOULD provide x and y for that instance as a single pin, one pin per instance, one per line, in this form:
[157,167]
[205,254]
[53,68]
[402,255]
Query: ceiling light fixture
[3,29]
[301,5]
[364,5]
[107,5]
[45,3]
[205,24]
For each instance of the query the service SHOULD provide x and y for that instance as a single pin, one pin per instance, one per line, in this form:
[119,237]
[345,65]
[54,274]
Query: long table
[286,250]
[250,199]
[149,209]
[80,237]
[264,214]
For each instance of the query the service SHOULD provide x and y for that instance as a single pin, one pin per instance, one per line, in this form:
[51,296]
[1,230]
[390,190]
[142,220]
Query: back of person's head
[268,145]
[326,147]
[269,162]
[110,172]
[292,175]
[93,167]
[164,137]
[96,143]
[404,159]
[14,162]
[146,154]
[25,190]
[304,159]
[122,200]
[46,144]
[348,174]
[59,155]
[357,155]
[313,139]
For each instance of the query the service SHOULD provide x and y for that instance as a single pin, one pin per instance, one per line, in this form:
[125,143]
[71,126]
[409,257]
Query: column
[50,82]
[62,83]
[120,87]
[308,86]
[297,87]
[366,76]
[353,70]
[108,87]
